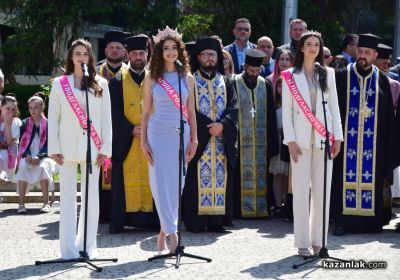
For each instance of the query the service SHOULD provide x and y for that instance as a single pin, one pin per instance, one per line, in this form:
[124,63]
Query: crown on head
[167,32]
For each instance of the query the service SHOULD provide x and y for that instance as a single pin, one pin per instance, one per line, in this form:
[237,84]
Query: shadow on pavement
[279,268]
[28,271]
[125,270]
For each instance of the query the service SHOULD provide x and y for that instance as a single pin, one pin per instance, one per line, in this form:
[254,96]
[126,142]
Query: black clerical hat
[368,41]
[207,43]
[384,51]
[138,42]
[254,57]
[114,36]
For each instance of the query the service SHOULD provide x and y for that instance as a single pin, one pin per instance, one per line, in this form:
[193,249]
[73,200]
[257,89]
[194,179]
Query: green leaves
[195,26]
[42,28]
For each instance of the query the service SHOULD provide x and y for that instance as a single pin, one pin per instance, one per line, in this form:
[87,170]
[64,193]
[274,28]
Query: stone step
[34,196]
[12,186]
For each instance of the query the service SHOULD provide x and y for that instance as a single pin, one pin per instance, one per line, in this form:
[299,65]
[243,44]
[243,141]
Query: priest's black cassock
[386,158]
[106,71]
[122,144]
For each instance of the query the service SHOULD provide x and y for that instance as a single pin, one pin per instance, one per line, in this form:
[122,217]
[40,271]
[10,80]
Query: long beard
[363,65]
[209,68]
[252,79]
[115,60]
[137,65]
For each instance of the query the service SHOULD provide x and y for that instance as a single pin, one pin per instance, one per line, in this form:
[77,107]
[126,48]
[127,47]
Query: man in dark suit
[349,47]
[237,49]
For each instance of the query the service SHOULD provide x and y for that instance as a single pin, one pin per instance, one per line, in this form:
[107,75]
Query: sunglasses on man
[243,29]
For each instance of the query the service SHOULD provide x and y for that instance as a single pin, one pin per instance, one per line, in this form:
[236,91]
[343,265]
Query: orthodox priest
[258,138]
[363,171]
[208,192]
[383,62]
[131,199]
[115,53]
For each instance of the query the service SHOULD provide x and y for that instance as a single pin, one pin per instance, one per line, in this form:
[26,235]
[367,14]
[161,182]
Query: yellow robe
[136,175]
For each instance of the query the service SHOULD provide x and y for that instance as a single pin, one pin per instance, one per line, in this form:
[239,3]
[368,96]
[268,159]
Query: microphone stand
[323,253]
[179,251]
[84,257]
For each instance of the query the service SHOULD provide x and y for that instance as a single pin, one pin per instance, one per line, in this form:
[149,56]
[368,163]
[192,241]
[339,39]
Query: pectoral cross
[252,112]
[366,111]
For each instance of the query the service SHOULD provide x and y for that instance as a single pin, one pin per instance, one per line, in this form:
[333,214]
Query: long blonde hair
[231,67]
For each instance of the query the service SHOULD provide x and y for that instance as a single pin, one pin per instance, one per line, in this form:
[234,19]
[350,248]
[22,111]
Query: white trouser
[310,169]
[71,242]
[396,183]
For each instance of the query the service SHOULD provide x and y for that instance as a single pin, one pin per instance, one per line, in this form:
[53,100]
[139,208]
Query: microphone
[320,70]
[318,67]
[85,70]
[178,63]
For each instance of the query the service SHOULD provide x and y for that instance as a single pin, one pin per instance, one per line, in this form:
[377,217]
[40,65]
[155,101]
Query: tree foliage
[333,18]
[43,27]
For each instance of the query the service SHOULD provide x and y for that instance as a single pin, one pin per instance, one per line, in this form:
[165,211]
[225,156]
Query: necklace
[140,94]
[250,93]
[365,110]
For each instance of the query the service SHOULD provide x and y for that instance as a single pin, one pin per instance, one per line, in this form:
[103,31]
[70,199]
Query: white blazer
[65,135]
[296,127]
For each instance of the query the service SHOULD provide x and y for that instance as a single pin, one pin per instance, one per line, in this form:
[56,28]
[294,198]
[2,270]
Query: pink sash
[26,137]
[174,96]
[76,108]
[318,126]
[11,159]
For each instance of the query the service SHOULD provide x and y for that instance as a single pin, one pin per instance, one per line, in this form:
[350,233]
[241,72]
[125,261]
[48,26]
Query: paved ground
[256,249]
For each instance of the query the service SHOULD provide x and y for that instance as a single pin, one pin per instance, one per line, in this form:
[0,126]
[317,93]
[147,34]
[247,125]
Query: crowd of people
[256,123]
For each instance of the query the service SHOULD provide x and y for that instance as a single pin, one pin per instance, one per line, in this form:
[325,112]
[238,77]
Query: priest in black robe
[131,199]
[363,171]
[111,66]
[208,192]
[257,139]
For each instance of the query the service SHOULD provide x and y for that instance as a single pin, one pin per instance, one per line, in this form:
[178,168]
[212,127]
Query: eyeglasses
[327,56]
[243,29]
[208,55]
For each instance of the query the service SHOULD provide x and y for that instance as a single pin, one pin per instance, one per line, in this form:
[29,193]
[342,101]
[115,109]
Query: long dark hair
[277,96]
[69,66]
[157,59]
[277,71]
[299,58]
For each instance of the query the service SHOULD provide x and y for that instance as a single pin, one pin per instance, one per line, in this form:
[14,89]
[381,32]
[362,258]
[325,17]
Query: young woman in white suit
[304,142]
[67,144]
